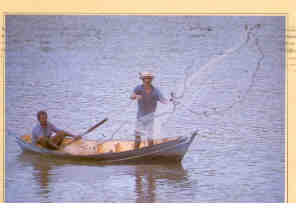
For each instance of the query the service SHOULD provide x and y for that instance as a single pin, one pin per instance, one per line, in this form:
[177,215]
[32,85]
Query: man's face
[43,119]
[147,80]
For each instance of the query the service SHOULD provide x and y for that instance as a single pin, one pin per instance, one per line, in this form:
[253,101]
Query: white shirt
[39,131]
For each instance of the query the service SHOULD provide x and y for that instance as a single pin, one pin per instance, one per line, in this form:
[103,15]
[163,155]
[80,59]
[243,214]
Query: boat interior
[88,147]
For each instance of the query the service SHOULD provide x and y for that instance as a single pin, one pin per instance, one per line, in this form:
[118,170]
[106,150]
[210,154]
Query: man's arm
[69,134]
[55,129]
[162,99]
[136,94]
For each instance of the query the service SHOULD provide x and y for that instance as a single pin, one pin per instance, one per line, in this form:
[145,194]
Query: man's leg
[137,140]
[46,143]
[138,130]
[57,139]
[43,141]
[150,141]
[150,132]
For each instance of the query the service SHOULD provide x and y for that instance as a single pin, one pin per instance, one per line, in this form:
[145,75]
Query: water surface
[82,69]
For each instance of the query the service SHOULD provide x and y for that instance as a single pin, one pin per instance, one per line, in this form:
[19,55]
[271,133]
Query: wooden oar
[88,131]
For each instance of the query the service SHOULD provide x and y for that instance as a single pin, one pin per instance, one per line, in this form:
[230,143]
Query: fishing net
[206,91]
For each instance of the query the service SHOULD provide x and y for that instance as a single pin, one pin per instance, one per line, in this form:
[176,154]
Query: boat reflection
[41,171]
[149,178]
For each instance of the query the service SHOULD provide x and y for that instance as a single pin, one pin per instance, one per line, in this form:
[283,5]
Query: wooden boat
[115,151]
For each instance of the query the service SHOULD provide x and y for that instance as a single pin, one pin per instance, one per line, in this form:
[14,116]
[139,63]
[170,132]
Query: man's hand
[135,96]
[138,97]
[164,101]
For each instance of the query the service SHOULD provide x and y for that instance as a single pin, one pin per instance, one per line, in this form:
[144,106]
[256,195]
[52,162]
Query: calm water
[82,69]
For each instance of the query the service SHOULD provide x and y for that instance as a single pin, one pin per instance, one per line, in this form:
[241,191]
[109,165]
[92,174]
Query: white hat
[143,75]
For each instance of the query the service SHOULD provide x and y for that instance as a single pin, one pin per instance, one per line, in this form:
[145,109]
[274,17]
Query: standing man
[147,96]
[43,133]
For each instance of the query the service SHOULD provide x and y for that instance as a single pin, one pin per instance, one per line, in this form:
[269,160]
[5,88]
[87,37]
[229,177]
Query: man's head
[146,77]
[42,118]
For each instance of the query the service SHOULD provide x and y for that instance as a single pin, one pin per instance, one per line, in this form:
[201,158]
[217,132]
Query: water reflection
[41,171]
[149,177]
[42,176]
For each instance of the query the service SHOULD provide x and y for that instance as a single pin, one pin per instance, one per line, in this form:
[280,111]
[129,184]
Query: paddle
[88,131]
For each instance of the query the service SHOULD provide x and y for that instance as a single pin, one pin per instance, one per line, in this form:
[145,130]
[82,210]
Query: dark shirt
[148,103]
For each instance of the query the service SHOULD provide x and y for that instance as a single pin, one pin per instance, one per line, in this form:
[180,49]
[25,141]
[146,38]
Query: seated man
[42,133]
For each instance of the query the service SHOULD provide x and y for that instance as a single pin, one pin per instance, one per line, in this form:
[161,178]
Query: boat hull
[167,152]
